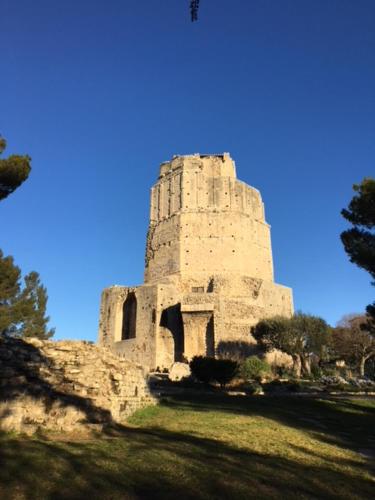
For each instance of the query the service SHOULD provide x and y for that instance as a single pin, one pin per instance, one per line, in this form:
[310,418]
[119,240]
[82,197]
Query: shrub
[316,372]
[224,370]
[255,389]
[202,368]
[255,368]
[207,369]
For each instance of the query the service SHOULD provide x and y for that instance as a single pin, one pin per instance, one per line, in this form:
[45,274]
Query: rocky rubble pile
[363,383]
[66,386]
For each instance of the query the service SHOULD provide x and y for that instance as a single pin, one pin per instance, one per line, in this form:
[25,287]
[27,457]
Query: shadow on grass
[159,464]
[341,422]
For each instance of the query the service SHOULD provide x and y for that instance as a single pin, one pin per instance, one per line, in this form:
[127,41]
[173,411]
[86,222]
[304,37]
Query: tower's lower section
[158,324]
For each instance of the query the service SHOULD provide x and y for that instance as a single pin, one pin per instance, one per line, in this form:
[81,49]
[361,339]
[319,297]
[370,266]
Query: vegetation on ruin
[205,447]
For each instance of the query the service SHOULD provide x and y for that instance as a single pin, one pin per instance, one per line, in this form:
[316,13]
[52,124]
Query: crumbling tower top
[212,165]
[203,221]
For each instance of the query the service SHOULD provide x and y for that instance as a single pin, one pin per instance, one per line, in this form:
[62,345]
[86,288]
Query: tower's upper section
[203,221]
[202,182]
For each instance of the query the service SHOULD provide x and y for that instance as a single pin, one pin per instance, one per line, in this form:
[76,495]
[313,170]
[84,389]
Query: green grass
[205,446]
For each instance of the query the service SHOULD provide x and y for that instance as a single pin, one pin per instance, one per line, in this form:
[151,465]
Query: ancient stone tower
[208,272]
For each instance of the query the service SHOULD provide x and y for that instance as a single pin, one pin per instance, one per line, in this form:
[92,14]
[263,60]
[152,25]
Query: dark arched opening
[171,319]
[129,317]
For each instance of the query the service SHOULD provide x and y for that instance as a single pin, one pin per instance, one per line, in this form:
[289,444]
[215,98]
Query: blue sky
[100,93]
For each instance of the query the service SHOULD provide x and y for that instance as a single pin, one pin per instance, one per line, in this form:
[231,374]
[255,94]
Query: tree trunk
[306,365]
[297,365]
[362,366]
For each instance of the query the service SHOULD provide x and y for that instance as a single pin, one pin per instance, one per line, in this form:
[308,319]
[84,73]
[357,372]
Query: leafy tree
[299,336]
[353,342]
[14,170]
[359,241]
[22,309]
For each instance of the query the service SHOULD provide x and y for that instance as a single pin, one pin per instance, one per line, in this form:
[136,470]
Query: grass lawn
[203,446]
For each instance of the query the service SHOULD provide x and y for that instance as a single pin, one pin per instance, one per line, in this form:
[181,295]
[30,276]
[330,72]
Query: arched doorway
[129,317]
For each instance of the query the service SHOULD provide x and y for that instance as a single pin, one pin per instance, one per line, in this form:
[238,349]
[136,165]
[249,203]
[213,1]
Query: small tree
[14,170]
[299,336]
[353,342]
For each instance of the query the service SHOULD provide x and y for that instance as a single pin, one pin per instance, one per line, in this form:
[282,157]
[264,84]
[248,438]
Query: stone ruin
[208,269]
[66,386]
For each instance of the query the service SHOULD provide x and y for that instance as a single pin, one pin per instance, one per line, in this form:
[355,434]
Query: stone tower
[208,270]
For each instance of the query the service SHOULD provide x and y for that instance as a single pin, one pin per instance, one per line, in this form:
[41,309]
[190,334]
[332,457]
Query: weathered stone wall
[66,386]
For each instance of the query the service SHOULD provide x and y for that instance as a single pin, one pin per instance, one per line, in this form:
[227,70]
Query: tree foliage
[359,241]
[299,336]
[14,170]
[22,308]
[353,342]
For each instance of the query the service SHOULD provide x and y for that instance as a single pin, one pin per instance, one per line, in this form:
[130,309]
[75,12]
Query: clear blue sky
[99,93]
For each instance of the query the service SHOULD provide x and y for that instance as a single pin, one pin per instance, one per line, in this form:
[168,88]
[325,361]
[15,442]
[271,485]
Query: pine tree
[22,309]
[359,242]
[14,170]
[34,297]
[10,309]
